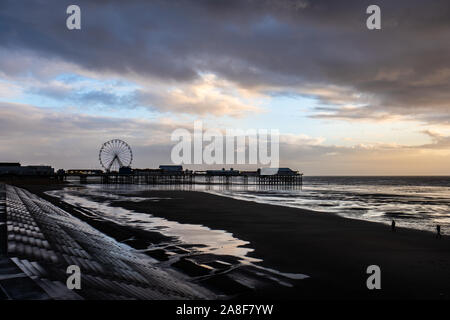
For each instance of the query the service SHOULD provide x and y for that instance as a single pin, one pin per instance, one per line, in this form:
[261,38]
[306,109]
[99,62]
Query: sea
[413,202]
[417,202]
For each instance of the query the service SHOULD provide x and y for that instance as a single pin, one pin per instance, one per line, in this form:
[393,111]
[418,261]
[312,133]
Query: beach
[334,252]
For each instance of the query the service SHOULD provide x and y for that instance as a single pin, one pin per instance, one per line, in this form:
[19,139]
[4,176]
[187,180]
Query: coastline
[334,251]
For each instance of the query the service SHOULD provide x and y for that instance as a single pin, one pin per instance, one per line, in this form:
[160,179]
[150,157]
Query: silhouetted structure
[115,154]
[16,169]
[176,175]
[170,168]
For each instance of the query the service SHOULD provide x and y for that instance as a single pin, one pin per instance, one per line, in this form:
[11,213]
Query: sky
[346,100]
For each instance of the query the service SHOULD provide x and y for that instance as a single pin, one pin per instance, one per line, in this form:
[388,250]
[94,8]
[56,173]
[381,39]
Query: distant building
[125,170]
[83,171]
[39,170]
[250,173]
[171,168]
[278,171]
[223,172]
[9,164]
[9,168]
[147,171]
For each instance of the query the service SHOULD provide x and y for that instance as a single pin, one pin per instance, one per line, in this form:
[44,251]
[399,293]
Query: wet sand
[333,251]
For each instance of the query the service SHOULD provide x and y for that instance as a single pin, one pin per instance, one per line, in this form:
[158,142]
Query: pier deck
[190,178]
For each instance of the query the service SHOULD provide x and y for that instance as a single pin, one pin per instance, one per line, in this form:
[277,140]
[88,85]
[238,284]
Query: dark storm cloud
[404,69]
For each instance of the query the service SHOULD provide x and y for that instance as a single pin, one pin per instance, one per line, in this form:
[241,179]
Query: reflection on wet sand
[213,257]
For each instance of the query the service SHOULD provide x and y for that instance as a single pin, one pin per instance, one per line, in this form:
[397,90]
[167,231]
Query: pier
[175,175]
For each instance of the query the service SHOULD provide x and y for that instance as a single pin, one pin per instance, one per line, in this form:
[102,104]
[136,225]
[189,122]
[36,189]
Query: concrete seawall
[39,241]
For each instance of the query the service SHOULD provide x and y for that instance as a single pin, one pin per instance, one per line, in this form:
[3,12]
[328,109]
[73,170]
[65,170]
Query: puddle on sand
[198,238]
[201,238]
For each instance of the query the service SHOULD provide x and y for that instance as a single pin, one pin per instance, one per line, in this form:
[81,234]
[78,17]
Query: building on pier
[125,170]
[82,171]
[278,172]
[223,172]
[171,169]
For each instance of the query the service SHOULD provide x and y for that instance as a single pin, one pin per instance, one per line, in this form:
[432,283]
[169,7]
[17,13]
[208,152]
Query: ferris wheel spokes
[115,154]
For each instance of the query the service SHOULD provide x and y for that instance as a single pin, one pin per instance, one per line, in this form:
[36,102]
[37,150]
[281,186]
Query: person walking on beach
[393,225]
[438,231]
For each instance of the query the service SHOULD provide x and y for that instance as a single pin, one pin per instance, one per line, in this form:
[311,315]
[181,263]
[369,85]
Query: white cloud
[208,95]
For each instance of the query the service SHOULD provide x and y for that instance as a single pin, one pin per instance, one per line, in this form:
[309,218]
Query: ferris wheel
[115,154]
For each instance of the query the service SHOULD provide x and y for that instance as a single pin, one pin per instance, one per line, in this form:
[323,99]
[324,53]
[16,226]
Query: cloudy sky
[347,100]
